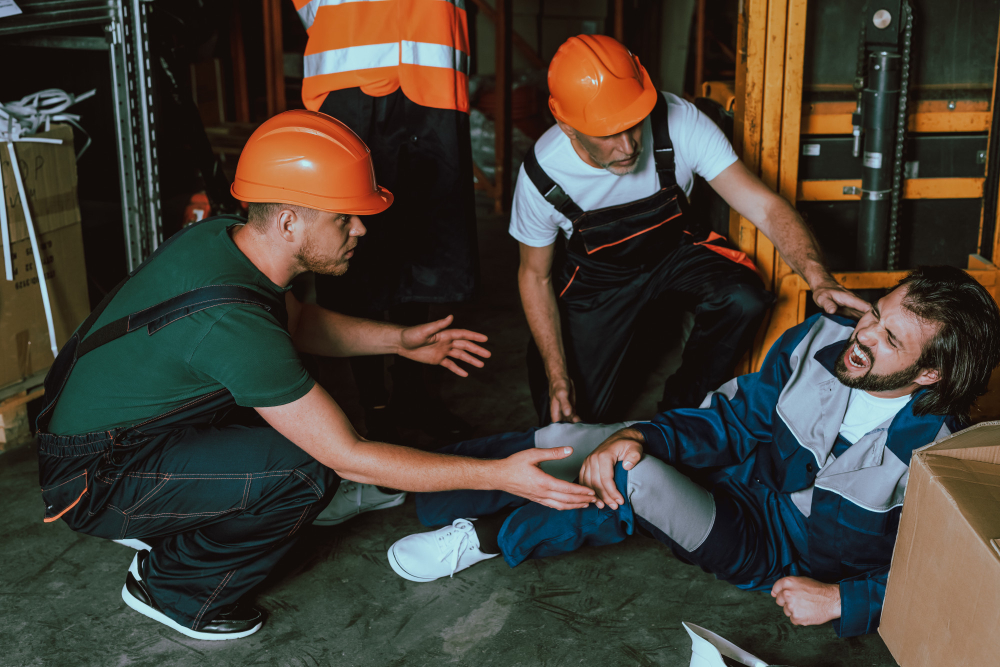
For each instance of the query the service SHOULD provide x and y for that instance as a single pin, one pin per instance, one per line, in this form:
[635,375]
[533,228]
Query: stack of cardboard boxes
[49,176]
[942,603]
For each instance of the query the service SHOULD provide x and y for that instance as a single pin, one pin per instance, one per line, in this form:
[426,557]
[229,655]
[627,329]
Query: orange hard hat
[309,159]
[598,87]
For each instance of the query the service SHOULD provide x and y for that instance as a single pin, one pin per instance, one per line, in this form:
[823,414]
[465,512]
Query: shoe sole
[381,506]
[149,612]
[398,569]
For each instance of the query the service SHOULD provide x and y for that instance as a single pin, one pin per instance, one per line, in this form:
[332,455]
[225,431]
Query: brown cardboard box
[942,604]
[49,173]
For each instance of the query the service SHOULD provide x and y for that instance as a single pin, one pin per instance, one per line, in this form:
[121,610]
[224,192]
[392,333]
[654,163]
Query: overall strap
[156,317]
[663,148]
[549,188]
[84,328]
[74,348]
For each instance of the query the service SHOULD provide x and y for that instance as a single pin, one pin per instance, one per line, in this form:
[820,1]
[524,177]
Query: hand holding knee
[598,471]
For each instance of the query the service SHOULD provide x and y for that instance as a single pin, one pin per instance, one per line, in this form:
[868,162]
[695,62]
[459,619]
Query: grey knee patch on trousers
[583,438]
[669,500]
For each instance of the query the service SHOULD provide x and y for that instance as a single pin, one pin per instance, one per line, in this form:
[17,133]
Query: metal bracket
[852,190]
[127,43]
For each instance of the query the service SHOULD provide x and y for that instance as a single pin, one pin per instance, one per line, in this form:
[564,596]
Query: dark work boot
[231,622]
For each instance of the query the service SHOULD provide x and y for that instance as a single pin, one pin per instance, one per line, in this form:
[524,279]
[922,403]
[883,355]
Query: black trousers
[599,314]
[225,501]
[422,249]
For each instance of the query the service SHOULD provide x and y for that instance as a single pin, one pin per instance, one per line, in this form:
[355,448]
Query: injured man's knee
[789,480]
[660,497]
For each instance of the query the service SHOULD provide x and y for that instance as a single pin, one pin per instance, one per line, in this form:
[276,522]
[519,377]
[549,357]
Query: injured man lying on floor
[788,480]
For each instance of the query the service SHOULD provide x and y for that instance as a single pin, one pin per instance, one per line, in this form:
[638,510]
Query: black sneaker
[232,622]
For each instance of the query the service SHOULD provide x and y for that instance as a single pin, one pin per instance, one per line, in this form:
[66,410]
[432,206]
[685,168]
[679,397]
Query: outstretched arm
[316,330]
[316,424]
[534,280]
[783,225]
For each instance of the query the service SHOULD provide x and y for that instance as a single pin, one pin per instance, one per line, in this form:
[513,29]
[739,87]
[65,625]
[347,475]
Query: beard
[620,170]
[311,260]
[870,381]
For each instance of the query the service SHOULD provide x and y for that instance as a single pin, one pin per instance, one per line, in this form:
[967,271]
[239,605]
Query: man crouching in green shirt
[180,412]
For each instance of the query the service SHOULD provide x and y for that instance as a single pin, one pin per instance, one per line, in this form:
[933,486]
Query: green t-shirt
[239,347]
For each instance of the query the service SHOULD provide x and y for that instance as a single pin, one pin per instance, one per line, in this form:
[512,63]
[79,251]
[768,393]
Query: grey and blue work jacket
[780,427]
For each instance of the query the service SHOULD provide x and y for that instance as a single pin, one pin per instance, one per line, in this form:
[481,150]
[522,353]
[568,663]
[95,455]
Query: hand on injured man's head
[598,471]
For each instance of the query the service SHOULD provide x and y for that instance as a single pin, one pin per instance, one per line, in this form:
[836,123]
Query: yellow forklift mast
[820,90]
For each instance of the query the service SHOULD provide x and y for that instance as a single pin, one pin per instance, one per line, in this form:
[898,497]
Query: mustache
[864,348]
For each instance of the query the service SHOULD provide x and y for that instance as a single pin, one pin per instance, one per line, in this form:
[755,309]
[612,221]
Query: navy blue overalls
[618,260]
[219,491]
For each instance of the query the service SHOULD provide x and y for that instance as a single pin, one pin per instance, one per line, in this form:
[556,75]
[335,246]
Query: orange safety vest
[421,46]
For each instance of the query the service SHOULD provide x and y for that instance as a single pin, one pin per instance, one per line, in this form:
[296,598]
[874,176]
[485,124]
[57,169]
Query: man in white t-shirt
[612,178]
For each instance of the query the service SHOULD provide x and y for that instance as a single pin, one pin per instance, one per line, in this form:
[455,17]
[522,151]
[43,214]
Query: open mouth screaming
[858,357]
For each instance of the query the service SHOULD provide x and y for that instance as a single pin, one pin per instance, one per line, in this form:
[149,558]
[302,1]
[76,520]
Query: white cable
[35,113]
[8,266]
[19,120]
[39,260]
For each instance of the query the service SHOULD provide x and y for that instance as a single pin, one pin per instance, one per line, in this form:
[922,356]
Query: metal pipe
[878,119]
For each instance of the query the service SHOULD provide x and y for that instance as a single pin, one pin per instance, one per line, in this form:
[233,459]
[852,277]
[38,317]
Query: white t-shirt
[865,412]
[700,148]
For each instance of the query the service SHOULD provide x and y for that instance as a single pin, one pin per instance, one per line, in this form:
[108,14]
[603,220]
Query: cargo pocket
[64,496]
[571,279]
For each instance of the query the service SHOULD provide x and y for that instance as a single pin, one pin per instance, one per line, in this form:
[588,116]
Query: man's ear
[288,223]
[567,130]
[928,376]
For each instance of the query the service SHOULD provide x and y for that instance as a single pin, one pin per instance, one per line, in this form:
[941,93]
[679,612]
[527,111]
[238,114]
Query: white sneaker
[133,543]
[353,499]
[430,556]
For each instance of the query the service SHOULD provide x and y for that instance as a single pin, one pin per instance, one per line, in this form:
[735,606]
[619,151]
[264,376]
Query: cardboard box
[942,604]
[49,173]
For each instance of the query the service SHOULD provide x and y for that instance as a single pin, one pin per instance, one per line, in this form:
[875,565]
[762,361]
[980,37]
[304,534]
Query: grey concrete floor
[335,601]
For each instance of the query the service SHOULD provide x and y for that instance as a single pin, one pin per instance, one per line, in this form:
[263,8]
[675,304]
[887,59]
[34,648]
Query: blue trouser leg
[733,536]
[536,531]
[443,507]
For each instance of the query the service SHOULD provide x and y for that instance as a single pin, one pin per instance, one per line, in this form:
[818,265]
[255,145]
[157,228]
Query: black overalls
[621,258]
[223,491]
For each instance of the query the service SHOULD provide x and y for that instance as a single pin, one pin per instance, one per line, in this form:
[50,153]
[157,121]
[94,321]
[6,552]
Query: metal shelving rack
[126,41]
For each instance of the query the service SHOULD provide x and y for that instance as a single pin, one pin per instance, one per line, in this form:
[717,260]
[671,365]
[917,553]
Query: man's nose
[626,144]
[867,336]
[357,227]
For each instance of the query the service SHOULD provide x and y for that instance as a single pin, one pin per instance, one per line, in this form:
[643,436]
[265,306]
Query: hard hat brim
[628,117]
[368,204]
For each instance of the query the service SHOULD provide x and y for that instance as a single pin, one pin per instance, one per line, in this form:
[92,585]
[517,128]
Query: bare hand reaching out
[435,344]
[524,478]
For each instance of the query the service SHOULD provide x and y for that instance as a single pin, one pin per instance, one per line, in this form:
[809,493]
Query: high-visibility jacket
[421,46]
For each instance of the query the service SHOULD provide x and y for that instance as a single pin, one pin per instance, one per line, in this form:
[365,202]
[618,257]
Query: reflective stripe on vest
[307,13]
[352,58]
[433,55]
[349,47]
